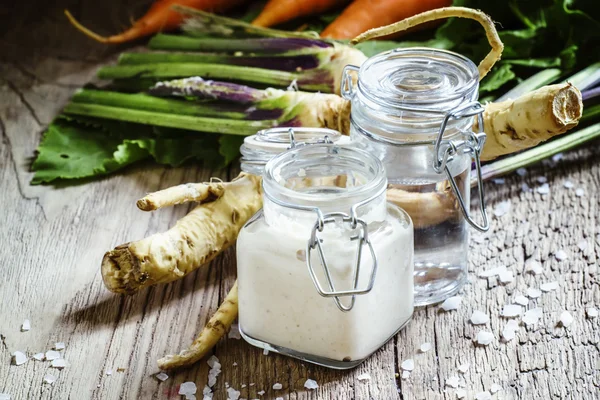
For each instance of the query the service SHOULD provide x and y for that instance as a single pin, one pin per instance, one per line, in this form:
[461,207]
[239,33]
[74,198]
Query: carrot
[160,17]
[280,11]
[362,15]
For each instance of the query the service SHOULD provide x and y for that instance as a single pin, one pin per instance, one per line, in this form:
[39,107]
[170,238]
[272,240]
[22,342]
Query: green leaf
[536,62]
[229,147]
[498,77]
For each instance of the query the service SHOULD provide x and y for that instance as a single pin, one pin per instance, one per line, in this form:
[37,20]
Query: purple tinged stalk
[590,93]
[208,89]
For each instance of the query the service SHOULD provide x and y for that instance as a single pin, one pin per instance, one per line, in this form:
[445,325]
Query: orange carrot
[160,17]
[363,15]
[280,11]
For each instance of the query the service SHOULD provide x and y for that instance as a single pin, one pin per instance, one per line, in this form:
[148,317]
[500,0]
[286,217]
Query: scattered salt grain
[556,158]
[544,189]
[484,338]
[234,332]
[277,386]
[582,244]
[479,239]
[511,311]
[533,267]
[510,330]
[364,377]
[568,184]
[38,356]
[502,208]
[531,317]
[405,374]
[233,394]
[592,312]
[479,318]
[566,319]
[492,272]
[495,388]
[461,393]
[4,396]
[19,358]
[525,187]
[207,393]
[244,385]
[265,352]
[108,372]
[561,255]
[215,370]
[452,381]
[252,384]
[408,365]
[235,364]
[521,300]
[301,172]
[521,172]
[162,376]
[59,346]
[311,384]
[451,303]
[260,393]
[49,379]
[549,286]
[533,293]
[483,396]
[25,326]
[52,355]
[579,192]
[425,347]
[463,368]
[506,276]
[187,388]
[279,398]
[58,363]
[541,179]
[499,181]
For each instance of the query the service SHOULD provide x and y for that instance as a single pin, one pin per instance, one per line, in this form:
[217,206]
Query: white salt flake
[521,300]
[58,363]
[38,356]
[461,393]
[556,158]
[252,384]
[582,244]
[279,398]
[59,346]
[405,374]
[568,184]
[425,347]
[502,208]
[511,311]
[162,376]
[451,303]
[311,384]
[234,332]
[549,286]
[541,179]
[364,377]
[463,368]
[525,187]
[495,388]
[408,365]
[25,326]
[452,381]
[510,330]
[52,355]
[190,397]
[492,272]
[533,267]
[531,317]
[233,394]
[579,192]
[301,172]
[4,396]
[108,372]
[592,312]
[277,386]
[49,379]
[484,338]
[213,362]
[566,319]
[561,255]
[265,352]
[533,293]
[187,388]
[19,358]
[260,393]
[544,189]
[506,276]
[499,181]
[521,172]
[244,385]
[483,396]
[479,318]
[235,364]
[479,239]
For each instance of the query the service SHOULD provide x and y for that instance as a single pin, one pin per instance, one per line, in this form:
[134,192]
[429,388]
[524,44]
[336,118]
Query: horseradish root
[216,327]
[515,125]
[425,209]
[198,192]
[195,240]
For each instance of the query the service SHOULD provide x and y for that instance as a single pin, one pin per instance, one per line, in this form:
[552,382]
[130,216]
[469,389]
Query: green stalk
[168,57]
[590,113]
[536,154]
[188,122]
[151,103]
[532,83]
[586,77]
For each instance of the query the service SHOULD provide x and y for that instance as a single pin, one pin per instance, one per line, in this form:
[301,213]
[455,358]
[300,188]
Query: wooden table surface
[52,239]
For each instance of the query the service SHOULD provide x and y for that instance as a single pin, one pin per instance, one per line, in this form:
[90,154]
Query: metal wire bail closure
[473,144]
[346,85]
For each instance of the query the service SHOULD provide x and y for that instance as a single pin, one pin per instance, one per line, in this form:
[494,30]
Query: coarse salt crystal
[451,303]
[495,388]
[4,396]
[532,316]
[252,384]
[19,358]
[364,377]
[479,239]
[279,398]
[234,332]
[499,181]
[311,384]
[541,179]
[502,208]
[511,311]
[544,189]
[479,318]
[405,374]
[582,244]
[52,355]
[58,363]
[525,187]
[213,362]
[506,276]
[533,293]
[579,192]
[108,372]
[187,388]
[50,379]
[592,312]
[566,319]
[162,376]
[568,184]
[533,266]
[235,364]
[38,356]
[484,338]
[244,385]
[463,368]
[233,394]
[260,393]
[59,346]
[408,365]
[461,393]
[265,352]
[492,272]
[277,386]
[483,396]
[452,381]
[301,172]
[510,329]
[521,300]
[425,347]
[556,158]
[549,286]
[521,171]
[25,326]
[561,255]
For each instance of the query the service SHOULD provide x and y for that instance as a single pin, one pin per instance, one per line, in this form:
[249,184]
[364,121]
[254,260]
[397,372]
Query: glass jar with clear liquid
[415,108]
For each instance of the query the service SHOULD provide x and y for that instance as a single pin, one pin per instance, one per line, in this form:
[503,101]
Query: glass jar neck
[300,183]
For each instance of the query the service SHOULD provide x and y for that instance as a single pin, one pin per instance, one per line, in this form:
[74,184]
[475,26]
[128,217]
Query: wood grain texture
[53,237]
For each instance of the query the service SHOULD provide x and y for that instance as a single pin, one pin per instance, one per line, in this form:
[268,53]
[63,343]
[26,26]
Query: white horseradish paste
[278,302]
